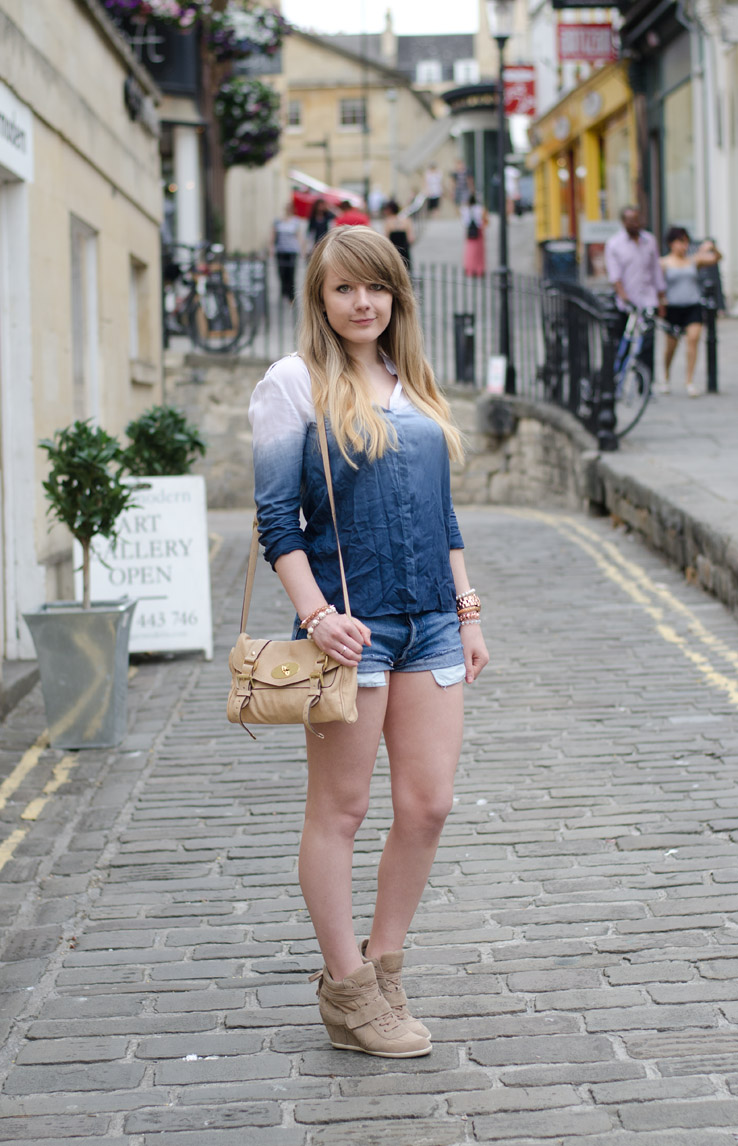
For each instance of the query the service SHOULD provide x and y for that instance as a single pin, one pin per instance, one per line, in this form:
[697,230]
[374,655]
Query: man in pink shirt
[633,267]
[350,216]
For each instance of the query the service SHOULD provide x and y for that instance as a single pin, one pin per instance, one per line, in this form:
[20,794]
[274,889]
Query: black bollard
[605,423]
[710,313]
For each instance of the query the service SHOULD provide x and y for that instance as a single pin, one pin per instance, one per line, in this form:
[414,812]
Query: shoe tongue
[362,975]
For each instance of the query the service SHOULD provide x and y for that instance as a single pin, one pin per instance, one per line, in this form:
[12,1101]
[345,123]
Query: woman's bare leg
[423,730]
[693,332]
[669,349]
[339,773]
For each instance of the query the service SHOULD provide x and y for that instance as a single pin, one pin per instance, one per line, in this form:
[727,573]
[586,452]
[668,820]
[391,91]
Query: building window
[466,72]
[353,113]
[428,72]
[294,115]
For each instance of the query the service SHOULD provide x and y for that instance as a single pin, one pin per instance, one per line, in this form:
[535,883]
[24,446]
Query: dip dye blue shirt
[395,516]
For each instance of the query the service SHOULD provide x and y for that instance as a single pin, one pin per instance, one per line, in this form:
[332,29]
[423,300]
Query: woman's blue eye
[343,288]
[377,286]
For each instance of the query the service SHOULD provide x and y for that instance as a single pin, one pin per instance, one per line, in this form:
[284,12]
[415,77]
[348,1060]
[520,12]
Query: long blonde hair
[339,387]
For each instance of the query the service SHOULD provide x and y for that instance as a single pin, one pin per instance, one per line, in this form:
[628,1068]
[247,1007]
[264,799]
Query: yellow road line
[636,584]
[27,763]
[60,776]
[8,846]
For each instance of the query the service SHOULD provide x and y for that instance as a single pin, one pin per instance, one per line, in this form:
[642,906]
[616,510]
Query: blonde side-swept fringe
[339,388]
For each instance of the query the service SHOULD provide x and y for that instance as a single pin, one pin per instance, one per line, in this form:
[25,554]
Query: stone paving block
[360,1108]
[501,1098]
[70,1050]
[40,1129]
[263,1136]
[89,1102]
[653,1089]
[541,1049]
[676,971]
[202,1045]
[231,1068]
[162,1120]
[436,1131]
[93,1076]
[330,1063]
[24,973]
[651,1018]
[682,1044]
[586,1000]
[574,1123]
[575,1073]
[681,1115]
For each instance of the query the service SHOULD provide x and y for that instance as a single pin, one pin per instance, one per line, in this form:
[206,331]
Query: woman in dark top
[319,222]
[398,230]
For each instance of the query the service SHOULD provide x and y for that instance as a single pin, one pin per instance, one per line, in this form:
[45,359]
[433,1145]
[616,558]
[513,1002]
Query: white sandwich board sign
[160,558]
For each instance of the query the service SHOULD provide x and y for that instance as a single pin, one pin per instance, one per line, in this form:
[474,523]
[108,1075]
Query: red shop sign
[586,43]
[520,90]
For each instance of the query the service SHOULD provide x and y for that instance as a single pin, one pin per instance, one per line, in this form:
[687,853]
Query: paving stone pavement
[576,951]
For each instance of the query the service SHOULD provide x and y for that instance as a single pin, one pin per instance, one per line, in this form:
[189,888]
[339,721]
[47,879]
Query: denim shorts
[411,642]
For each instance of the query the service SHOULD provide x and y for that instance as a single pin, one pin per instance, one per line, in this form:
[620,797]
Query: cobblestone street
[575,954]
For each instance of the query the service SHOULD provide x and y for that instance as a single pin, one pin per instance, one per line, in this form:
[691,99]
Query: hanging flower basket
[237,32]
[181,13]
[248,113]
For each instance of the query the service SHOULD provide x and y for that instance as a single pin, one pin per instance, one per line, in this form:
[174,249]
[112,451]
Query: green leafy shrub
[162,444]
[84,489]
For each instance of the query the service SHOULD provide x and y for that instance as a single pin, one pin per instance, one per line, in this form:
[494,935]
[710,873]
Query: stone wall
[517,453]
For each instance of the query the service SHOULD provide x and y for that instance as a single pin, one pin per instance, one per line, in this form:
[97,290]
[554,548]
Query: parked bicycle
[200,300]
[633,380]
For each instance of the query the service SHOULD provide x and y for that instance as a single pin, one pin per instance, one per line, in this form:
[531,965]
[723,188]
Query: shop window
[618,181]
[352,113]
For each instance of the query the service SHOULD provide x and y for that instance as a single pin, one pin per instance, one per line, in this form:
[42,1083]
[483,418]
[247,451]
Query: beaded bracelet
[315,618]
[478,621]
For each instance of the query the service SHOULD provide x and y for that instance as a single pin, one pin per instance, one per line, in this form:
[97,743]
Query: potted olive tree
[82,647]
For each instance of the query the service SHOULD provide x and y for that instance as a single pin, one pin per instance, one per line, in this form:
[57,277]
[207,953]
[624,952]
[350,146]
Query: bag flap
[277,663]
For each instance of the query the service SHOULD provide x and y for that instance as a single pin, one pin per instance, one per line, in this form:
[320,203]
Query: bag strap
[254,549]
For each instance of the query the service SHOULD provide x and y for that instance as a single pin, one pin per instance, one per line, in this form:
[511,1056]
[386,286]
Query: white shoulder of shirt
[288,379]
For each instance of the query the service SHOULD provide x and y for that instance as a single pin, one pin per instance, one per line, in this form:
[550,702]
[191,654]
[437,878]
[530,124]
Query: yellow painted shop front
[585,164]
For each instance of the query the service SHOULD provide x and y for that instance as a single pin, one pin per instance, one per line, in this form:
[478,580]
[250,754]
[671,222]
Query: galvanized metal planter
[83,662]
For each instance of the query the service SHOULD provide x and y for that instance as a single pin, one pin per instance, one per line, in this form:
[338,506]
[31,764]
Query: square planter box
[83,664]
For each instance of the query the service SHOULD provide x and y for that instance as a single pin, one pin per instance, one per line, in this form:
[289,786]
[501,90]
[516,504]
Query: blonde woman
[414,632]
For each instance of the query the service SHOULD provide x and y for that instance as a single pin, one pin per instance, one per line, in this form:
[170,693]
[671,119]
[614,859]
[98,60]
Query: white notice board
[160,559]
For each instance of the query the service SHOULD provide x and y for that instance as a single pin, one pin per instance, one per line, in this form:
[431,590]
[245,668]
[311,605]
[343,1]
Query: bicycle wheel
[216,319]
[632,392]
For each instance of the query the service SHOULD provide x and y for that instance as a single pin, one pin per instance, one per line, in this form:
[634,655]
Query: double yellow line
[657,602]
[33,809]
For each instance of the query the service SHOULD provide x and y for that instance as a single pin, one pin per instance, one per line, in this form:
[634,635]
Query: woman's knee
[341,817]
[423,814]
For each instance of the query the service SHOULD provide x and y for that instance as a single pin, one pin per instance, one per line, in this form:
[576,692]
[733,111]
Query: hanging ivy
[248,113]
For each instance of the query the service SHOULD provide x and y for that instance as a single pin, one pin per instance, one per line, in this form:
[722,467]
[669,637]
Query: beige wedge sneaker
[358,1017]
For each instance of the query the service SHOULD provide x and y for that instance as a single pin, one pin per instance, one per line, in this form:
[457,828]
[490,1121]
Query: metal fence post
[710,310]
[605,421]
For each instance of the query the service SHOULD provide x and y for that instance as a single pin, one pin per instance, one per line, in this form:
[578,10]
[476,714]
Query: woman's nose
[362,297]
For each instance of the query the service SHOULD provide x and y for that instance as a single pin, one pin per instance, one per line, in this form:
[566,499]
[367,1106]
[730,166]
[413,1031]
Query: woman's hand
[475,651]
[342,637]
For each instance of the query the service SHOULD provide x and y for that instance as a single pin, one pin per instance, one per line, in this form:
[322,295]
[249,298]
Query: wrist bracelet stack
[316,617]
[469,608]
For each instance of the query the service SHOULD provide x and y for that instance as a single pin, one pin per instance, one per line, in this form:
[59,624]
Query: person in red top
[351,216]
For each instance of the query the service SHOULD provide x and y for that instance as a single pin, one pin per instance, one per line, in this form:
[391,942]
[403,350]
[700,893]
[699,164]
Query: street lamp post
[500,20]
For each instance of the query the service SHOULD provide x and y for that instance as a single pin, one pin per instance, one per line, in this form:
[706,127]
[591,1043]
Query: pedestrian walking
[285,247]
[319,222]
[433,188]
[399,230]
[684,300]
[462,182]
[633,268]
[474,220]
[414,631]
[351,216]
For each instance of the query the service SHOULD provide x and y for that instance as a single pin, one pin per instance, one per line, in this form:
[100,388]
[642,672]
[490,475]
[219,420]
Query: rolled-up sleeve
[279,419]
[456,541]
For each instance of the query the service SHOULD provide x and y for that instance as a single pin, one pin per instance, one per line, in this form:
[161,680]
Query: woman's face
[358,312]
[680,246]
